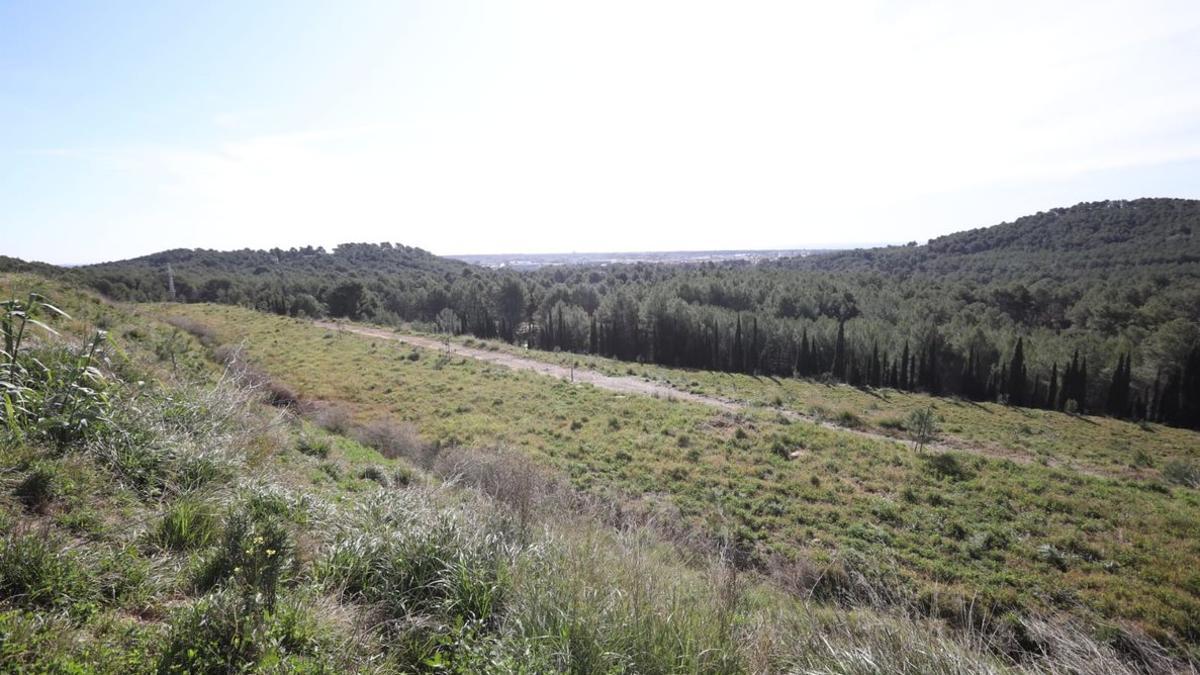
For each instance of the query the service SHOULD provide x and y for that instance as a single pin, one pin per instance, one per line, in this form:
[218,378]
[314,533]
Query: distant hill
[1162,235]
[274,279]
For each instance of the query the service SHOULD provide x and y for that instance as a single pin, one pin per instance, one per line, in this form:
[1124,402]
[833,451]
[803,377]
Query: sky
[499,127]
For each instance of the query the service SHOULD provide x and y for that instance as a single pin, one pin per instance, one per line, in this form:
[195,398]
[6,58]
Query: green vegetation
[940,525]
[1089,309]
[1095,445]
[219,546]
[207,488]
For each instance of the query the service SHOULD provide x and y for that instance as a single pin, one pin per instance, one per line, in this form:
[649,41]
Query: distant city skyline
[546,127]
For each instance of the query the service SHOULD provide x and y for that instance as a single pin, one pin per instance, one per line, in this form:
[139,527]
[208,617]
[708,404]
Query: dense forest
[1090,309]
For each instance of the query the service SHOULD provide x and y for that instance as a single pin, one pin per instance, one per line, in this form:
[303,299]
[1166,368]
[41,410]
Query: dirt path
[636,385]
[624,385]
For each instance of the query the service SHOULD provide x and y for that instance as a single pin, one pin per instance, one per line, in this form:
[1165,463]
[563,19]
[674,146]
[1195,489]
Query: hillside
[168,518]
[1115,238]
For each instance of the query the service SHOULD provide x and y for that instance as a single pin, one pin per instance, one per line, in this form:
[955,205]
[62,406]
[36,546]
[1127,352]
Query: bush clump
[948,465]
[36,573]
[187,525]
[221,634]
[254,556]
[1182,473]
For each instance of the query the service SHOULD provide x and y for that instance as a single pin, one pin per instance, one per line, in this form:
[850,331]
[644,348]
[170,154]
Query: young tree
[922,427]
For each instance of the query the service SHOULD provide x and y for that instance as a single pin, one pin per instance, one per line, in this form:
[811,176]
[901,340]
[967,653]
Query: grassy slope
[1101,445]
[123,570]
[1016,536]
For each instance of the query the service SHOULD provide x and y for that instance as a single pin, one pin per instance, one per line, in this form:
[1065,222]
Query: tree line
[1093,309]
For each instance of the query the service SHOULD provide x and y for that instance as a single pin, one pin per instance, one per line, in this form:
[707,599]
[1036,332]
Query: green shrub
[50,392]
[408,560]
[187,525]
[219,634]
[136,463]
[254,555]
[1182,472]
[192,472]
[374,473]
[121,576]
[849,420]
[313,446]
[403,476]
[36,573]
[947,465]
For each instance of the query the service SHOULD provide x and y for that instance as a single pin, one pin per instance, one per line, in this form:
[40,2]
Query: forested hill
[288,281]
[1160,236]
[1094,308]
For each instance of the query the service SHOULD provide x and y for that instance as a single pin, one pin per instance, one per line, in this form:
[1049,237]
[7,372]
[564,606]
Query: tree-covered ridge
[1097,236]
[1093,308]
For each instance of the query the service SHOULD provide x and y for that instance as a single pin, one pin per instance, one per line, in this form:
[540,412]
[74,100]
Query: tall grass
[50,392]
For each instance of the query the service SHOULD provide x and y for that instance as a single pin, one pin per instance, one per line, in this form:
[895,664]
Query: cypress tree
[1155,406]
[874,367]
[1190,390]
[1069,382]
[738,355]
[1168,407]
[1016,375]
[904,367]
[968,376]
[839,353]
[1081,387]
[804,366]
[754,360]
[1052,393]
[1117,404]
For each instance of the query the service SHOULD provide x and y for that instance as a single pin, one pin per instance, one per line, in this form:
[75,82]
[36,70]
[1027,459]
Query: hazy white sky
[473,127]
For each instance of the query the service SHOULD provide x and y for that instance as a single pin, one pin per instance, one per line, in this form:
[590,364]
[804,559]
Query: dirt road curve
[635,385]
